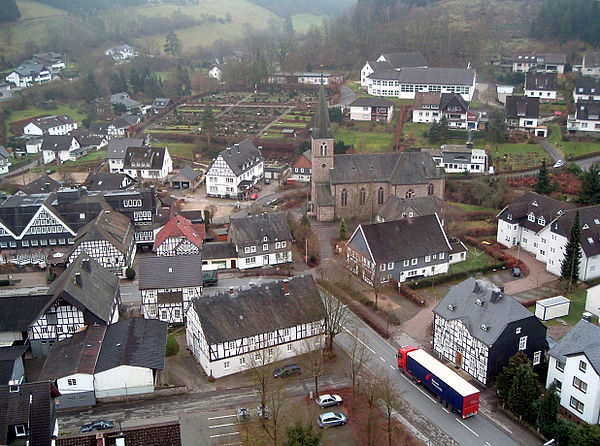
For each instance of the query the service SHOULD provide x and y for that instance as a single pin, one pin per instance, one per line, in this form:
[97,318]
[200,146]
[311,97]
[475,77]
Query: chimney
[496,296]
[78,281]
[231,291]
[86,265]
[100,441]
[286,287]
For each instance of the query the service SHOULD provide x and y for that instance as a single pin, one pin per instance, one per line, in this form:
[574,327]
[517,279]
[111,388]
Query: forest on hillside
[568,20]
[9,11]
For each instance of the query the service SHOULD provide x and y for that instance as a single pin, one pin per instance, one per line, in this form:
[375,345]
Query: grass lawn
[61,109]
[181,150]
[302,22]
[92,156]
[172,346]
[575,148]
[577,307]
[471,207]
[365,141]
[412,130]
[519,156]
[476,259]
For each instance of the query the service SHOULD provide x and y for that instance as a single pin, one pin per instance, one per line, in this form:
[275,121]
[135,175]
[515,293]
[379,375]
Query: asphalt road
[550,149]
[473,431]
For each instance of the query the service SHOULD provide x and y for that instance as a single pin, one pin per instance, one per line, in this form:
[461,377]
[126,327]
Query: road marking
[488,443]
[232,444]
[221,417]
[392,367]
[445,410]
[232,433]
[419,389]
[467,428]
[352,334]
[381,357]
[217,426]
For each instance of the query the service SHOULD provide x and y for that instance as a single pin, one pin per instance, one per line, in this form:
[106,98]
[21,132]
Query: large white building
[151,163]
[459,159]
[407,82]
[430,107]
[590,65]
[575,368]
[234,170]
[391,61]
[523,114]
[50,125]
[541,85]
[233,331]
[586,89]
[28,74]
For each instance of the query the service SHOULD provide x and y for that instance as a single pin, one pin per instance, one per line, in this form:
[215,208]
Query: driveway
[550,149]
[536,278]
[347,96]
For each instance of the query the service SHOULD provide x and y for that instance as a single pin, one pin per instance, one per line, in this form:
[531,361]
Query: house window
[576,404]
[164,316]
[406,262]
[390,266]
[530,216]
[363,196]
[289,347]
[226,365]
[385,278]
[283,244]
[579,384]
[286,332]
[582,366]
[265,247]
[427,259]
[270,352]
[560,366]
[430,189]
[177,313]
[409,193]
[518,330]
[20,430]
[537,357]
[231,345]
[382,267]
[344,197]
[242,361]
[72,382]
[558,385]
[442,255]
[323,149]
[380,196]
[523,343]
[251,260]
[414,261]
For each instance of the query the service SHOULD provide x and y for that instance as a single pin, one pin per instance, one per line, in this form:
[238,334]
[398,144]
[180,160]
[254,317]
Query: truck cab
[401,355]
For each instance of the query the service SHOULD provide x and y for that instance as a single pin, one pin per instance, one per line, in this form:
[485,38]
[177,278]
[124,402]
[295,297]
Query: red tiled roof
[303,162]
[180,226]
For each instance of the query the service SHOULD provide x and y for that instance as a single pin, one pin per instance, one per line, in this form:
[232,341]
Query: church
[355,186]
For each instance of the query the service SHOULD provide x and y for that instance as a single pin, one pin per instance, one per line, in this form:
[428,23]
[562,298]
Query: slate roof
[324,197]
[17,210]
[111,226]
[396,168]
[522,107]
[496,312]
[86,139]
[259,309]
[395,207]
[539,205]
[447,98]
[592,59]
[8,356]
[40,415]
[587,84]
[321,126]
[371,102]
[19,312]
[180,226]
[123,98]
[3,152]
[134,342]
[581,339]
[144,158]
[588,110]
[57,143]
[541,81]
[590,230]
[41,185]
[253,229]
[31,69]
[117,147]
[106,181]
[48,122]
[549,58]
[187,173]
[77,354]
[426,98]
[405,59]
[391,241]
[96,294]
[170,272]
[431,76]
[218,250]
[243,153]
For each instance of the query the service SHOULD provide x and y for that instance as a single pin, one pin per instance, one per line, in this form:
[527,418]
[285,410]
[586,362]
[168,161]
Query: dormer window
[590,240]
[509,216]
[541,221]
[585,226]
[264,239]
[531,217]
[535,203]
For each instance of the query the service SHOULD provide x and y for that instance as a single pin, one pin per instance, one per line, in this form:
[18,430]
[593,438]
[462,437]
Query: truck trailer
[451,390]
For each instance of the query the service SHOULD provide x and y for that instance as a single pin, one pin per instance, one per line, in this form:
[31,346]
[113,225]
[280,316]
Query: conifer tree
[342,230]
[590,186]
[543,185]
[570,265]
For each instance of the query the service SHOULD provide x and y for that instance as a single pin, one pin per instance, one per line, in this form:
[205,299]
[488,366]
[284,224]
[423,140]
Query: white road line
[216,426]
[445,410]
[232,433]
[467,428]
[232,444]
[221,417]
[352,334]
[381,357]
[392,367]
[417,387]
[487,443]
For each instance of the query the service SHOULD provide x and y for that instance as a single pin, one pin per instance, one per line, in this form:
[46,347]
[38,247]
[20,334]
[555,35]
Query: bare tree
[359,355]
[389,395]
[260,363]
[336,316]
[312,350]
[370,383]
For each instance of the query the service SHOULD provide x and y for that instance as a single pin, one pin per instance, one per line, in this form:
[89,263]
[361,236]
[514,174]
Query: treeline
[9,11]
[286,8]
[568,20]
[83,8]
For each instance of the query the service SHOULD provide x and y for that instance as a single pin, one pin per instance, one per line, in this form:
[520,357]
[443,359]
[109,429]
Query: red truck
[451,390]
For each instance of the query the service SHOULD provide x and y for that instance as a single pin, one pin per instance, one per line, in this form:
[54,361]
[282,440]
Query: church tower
[321,143]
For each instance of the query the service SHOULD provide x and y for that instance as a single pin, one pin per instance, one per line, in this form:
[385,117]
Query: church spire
[322,126]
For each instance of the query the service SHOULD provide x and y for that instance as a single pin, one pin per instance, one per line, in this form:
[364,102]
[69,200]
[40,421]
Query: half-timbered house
[479,328]
[279,319]
[109,240]
[261,240]
[85,293]
[179,237]
[168,284]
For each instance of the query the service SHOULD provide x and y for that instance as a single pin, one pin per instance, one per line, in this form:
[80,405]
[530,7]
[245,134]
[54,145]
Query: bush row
[411,295]
[450,277]
[495,250]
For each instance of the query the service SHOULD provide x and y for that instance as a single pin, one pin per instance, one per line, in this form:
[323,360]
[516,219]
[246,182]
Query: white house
[541,85]
[523,114]
[586,118]
[539,62]
[233,331]
[590,65]
[28,74]
[152,163]
[406,82]
[586,89]
[261,240]
[592,300]
[120,52]
[430,107]
[302,168]
[393,61]
[371,109]
[502,91]
[179,237]
[34,145]
[5,160]
[50,125]
[115,152]
[215,72]
[574,366]
[459,159]
[234,170]
[58,147]
[168,284]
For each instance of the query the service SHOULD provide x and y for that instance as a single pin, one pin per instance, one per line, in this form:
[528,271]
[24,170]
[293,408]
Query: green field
[471,207]
[61,109]
[365,141]
[577,307]
[182,150]
[302,22]
[574,148]
[476,259]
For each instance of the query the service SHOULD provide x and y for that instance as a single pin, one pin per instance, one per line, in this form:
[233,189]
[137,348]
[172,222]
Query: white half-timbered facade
[179,237]
[229,332]
[234,170]
[168,284]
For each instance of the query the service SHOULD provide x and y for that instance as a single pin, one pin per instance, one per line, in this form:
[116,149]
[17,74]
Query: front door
[459,358]
[265,260]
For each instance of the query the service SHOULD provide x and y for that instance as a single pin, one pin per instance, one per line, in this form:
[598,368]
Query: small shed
[552,308]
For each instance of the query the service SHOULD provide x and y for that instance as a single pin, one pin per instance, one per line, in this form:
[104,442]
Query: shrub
[130,273]
[172,346]
[411,295]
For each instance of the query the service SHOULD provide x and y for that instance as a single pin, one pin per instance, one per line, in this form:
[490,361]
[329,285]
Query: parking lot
[218,428]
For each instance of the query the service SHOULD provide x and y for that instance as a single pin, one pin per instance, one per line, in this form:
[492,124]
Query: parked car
[267,181]
[327,400]
[253,196]
[516,271]
[50,171]
[287,370]
[98,425]
[331,419]
[259,412]
[558,164]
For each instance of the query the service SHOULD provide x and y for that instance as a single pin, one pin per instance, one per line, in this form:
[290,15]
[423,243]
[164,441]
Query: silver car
[327,400]
[331,419]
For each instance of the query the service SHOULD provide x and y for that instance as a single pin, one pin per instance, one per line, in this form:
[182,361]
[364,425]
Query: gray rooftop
[415,75]
[583,338]
[322,126]
[240,155]
[170,272]
[371,102]
[253,229]
[117,147]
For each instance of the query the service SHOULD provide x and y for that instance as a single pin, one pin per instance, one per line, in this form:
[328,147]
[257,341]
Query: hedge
[450,277]
[411,295]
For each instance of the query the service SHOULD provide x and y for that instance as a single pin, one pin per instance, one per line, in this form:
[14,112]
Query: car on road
[516,271]
[286,370]
[259,412]
[267,181]
[327,400]
[558,164]
[331,419]
[98,425]
[253,196]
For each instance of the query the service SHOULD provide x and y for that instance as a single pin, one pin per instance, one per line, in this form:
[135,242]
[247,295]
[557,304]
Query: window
[576,404]
[289,347]
[283,244]
[72,382]
[531,217]
[270,352]
[344,197]
[518,330]
[323,150]
[382,267]
[523,343]
[231,345]
[582,366]
[537,357]
[414,261]
[250,260]
[242,361]
[20,430]
[177,313]
[558,385]
[560,366]
[406,262]
[380,196]
[579,384]
[363,196]
[442,255]
[430,189]
[385,278]
[226,365]
[390,266]
[409,193]
[265,246]
[427,259]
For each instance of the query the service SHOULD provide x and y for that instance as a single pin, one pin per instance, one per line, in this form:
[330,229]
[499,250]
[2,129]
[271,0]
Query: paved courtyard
[537,276]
